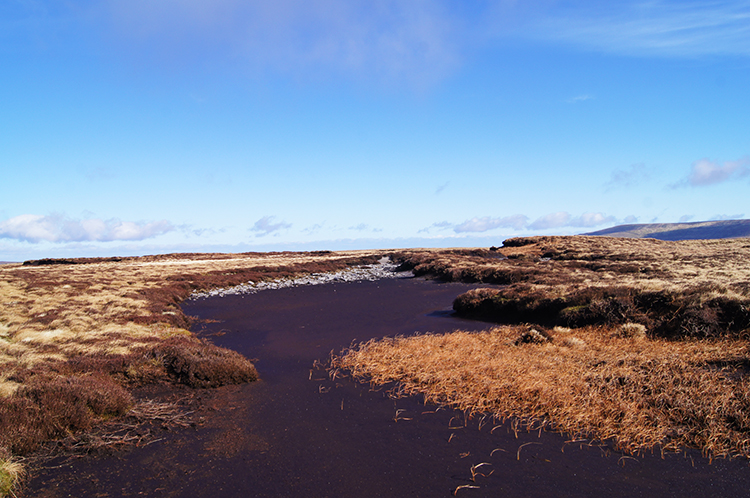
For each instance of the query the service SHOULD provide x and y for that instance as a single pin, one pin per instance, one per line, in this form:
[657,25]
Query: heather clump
[201,364]
[47,407]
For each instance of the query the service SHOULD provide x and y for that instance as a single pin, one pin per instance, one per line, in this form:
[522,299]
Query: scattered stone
[383,269]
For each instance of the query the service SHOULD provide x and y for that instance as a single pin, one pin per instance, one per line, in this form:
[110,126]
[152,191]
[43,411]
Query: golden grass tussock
[639,394]
[11,473]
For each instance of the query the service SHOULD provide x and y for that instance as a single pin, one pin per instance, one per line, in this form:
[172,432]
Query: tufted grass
[616,386]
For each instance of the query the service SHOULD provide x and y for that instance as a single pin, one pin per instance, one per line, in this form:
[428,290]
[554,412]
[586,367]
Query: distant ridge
[728,229]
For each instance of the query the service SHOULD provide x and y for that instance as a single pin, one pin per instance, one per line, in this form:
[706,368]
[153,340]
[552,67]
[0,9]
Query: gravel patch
[385,268]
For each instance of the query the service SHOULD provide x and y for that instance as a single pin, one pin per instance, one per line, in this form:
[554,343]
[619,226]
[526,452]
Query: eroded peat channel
[299,433]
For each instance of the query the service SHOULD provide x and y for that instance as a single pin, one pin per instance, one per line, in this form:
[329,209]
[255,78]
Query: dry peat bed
[637,342]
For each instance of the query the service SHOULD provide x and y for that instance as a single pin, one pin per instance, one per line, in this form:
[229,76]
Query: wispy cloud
[314,228]
[657,27]
[579,98]
[59,228]
[723,217]
[100,174]
[441,225]
[633,176]
[266,226]
[401,41]
[521,222]
[190,230]
[418,42]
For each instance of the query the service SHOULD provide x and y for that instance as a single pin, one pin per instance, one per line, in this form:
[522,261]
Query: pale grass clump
[630,329]
[31,347]
[7,387]
[11,473]
[573,342]
[638,394]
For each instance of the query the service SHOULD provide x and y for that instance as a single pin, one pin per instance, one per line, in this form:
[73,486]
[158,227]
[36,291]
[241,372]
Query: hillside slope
[727,229]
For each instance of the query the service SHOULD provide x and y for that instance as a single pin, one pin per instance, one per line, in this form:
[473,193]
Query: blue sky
[141,127]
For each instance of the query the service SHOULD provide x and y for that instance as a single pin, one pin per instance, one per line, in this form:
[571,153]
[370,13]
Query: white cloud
[517,221]
[591,220]
[58,228]
[563,219]
[552,220]
[266,226]
[706,172]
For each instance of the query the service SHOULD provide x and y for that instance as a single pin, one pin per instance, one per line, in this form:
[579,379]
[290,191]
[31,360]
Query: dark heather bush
[665,314]
[201,364]
[48,408]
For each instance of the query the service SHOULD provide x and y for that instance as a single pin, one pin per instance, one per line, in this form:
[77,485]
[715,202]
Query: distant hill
[728,229]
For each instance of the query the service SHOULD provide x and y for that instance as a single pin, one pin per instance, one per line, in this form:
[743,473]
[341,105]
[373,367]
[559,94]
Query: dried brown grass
[54,311]
[639,342]
[639,394]
[77,334]
[676,289]
[599,261]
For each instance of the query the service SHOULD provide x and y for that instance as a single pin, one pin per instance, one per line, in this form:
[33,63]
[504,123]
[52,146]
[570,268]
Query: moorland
[639,343]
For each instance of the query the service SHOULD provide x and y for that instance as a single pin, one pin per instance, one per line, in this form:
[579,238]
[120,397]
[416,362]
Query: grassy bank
[640,343]
[637,393]
[676,289]
[77,336]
